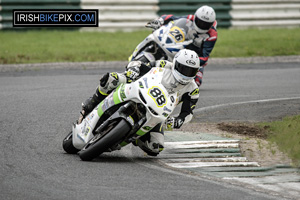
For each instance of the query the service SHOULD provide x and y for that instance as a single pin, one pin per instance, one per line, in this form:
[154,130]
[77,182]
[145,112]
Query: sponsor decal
[78,136]
[108,102]
[148,128]
[204,17]
[141,84]
[90,117]
[87,131]
[146,83]
[190,62]
[165,114]
[172,99]
[162,63]
[122,92]
[154,71]
[83,127]
[105,105]
[127,90]
[165,108]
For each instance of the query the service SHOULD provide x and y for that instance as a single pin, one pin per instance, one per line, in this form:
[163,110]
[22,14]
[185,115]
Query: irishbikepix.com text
[55,18]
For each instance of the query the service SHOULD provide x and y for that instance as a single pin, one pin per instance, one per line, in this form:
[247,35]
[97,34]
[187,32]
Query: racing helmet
[186,64]
[204,18]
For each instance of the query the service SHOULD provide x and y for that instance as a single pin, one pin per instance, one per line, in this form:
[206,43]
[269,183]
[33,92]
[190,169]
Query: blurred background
[132,14]
[38,106]
[246,28]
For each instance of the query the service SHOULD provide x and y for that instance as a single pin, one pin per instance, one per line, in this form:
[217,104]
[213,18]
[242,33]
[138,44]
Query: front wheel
[112,134]
[68,144]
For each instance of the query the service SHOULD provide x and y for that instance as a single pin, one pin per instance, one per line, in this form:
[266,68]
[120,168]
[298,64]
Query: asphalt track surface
[38,107]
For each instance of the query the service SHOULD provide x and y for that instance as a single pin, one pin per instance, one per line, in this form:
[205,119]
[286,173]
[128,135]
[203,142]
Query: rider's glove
[104,79]
[174,122]
[155,24]
[133,70]
[133,73]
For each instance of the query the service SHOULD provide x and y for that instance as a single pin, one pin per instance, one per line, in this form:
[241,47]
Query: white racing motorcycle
[163,43]
[128,113]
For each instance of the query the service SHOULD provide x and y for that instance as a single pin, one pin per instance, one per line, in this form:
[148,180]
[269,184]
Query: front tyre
[112,134]
[68,144]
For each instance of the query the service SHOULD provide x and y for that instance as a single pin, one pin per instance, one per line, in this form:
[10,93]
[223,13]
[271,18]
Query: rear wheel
[112,134]
[68,144]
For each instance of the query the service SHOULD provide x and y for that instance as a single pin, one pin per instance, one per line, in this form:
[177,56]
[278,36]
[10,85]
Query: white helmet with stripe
[186,64]
[204,18]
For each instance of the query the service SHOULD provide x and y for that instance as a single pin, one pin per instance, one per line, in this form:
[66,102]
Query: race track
[38,107]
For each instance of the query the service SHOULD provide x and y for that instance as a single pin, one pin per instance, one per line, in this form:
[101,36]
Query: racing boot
[108,83]
[90,104]
[152,142]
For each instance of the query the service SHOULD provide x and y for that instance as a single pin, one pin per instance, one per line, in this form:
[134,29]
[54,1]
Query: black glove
[174,122]
[104,79]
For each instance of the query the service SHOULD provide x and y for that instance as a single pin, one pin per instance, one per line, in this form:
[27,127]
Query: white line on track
[245,102]
[199,145]
[193,164]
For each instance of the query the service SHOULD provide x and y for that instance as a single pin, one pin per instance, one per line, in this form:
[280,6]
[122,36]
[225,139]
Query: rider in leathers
[202,30]
[178,77]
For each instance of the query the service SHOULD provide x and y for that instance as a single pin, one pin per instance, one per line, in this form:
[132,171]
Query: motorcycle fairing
[152,94]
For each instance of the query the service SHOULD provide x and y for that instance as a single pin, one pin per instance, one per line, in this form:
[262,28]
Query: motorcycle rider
[202,30]
[178,77]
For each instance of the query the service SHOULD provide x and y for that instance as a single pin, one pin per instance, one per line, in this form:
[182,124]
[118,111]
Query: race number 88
[158,96]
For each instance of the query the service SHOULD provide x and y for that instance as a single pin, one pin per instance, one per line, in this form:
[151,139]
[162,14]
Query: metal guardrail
[133,14]
[265,13]
[186,7]
[122,14]
[241,13]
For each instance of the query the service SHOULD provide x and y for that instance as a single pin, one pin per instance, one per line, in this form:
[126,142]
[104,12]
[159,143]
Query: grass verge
[283,134]
[66,46]
[286,134]
[74,46]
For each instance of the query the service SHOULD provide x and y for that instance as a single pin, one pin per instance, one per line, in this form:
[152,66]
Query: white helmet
[185,66]
[204,18]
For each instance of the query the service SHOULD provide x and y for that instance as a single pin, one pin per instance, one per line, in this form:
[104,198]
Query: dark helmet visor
[202,24]
[185,70]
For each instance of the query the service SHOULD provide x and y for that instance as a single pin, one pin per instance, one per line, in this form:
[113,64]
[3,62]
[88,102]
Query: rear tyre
[112,134]
[68,144]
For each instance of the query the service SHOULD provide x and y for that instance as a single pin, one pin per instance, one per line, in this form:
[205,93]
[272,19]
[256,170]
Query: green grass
[256,42]
[286,134]
[74,46]
[66,46]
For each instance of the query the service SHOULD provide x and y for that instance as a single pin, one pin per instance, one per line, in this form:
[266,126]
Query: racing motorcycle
[128,113]
[163,43]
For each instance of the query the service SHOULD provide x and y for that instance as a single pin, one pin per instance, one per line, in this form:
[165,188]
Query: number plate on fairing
[158,96]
